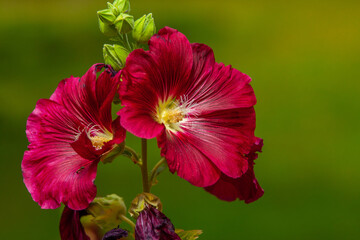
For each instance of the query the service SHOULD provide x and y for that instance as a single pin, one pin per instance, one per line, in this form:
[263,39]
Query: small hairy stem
[128,43]
[144,170]
[154,170]
[128,221]
[134,156]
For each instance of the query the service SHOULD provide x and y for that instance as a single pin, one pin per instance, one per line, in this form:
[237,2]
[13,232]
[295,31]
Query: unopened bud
[122,6]
[106,20]
[143,201]
[144,28]
[115,55]
[107,211]
[124,23]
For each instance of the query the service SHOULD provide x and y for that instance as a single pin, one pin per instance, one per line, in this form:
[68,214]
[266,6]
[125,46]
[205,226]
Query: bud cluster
[116,22]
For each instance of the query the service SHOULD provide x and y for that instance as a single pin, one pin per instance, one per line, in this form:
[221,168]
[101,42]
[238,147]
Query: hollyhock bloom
[200,111]
[70,225]
[244,188]
[114,234]
[153,224]
[69,134]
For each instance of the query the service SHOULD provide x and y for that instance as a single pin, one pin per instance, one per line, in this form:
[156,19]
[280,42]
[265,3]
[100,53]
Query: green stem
[128,221]
[128,43]
[144,170]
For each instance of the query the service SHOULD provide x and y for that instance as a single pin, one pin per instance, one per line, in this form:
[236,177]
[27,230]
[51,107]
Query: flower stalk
[144,170]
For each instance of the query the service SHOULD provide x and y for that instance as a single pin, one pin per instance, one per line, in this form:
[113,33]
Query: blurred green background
[304,59]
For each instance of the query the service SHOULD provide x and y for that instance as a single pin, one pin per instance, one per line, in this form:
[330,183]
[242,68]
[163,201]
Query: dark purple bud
[154,225]
[114,234]
[70,225]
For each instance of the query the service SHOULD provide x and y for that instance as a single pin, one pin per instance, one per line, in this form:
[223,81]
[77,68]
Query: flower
[69,134]
[70,225]
[245,187]
[153,224]
[200,111]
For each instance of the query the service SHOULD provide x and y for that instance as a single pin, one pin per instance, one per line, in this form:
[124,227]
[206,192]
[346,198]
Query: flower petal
[70,225]
[244,188]
[184,158]
[153,224]
[224,137]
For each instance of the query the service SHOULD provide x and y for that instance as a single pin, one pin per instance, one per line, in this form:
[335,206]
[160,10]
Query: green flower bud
[115,55]
[106,19]
[144,28]
[124,23]
[107,211]
[122,6]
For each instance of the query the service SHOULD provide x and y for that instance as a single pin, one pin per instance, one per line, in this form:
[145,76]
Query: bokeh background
[304,59]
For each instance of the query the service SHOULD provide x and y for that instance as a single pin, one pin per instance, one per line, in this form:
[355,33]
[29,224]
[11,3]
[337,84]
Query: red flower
[245,187]
[69,134]
[200,111]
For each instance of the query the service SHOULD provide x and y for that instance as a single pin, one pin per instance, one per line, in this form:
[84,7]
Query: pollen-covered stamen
[170,114]
[98,138]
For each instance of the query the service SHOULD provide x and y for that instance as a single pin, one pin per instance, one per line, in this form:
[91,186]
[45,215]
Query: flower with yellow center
[170,114]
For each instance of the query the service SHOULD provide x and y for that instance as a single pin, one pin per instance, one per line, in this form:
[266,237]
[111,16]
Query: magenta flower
[69,134]
[70,225]
[153,224]
[245,187]
[200,111]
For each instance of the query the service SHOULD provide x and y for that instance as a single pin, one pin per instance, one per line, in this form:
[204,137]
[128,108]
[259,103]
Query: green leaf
[189,234]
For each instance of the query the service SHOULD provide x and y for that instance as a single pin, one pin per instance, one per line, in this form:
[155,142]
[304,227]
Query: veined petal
[88,99]
[54,173]
[184,158]
[244,188]
[224,137]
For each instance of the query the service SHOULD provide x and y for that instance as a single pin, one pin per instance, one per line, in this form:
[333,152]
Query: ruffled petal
[184,158]
[70,225]
[53,172]
[216,87]
[224,137]
[244,188]
[88,99]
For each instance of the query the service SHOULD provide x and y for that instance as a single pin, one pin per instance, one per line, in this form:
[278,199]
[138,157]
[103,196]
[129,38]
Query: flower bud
[122,6]
[144,28]
[107,211]
[115,55]
[142,201]
[124,23]
[106,19]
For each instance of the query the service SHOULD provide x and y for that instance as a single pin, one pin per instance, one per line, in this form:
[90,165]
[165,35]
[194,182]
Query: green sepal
[107,211]
[189,234]
[116,151]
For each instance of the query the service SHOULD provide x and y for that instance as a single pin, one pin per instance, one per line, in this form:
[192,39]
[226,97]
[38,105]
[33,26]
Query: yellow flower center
[170,114]
[99,139]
